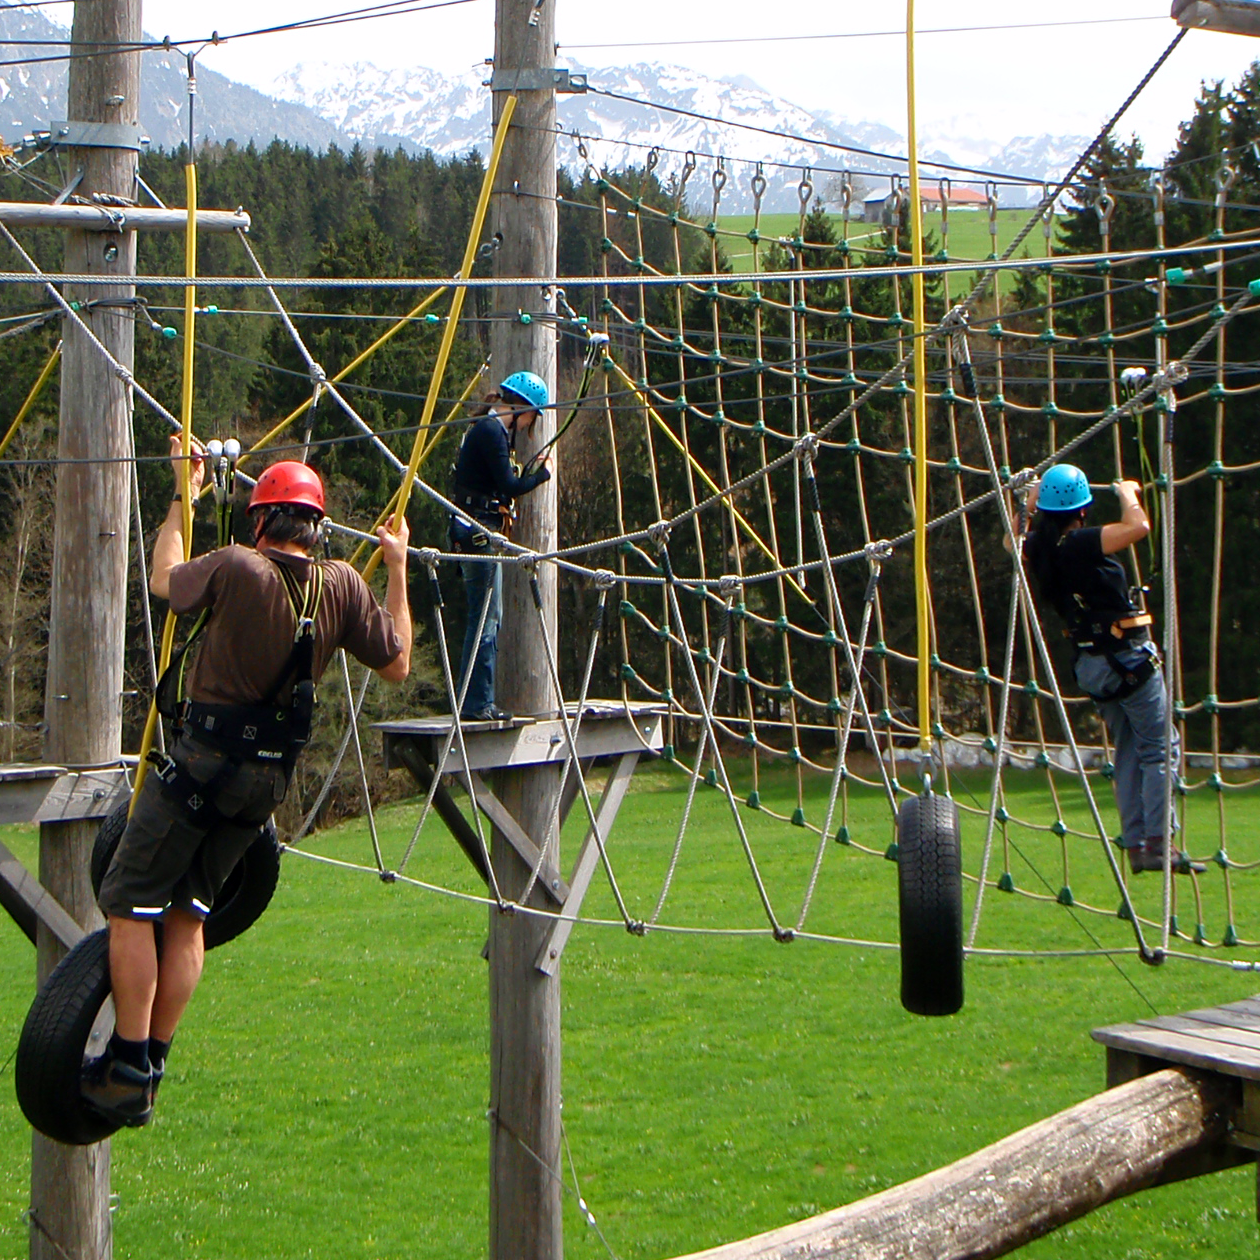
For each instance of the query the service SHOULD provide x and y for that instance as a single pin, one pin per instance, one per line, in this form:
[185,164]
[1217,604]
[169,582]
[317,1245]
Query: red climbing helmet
[289,484]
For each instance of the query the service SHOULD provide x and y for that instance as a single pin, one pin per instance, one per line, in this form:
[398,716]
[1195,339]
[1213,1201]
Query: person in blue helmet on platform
[1077,571]
[487,482]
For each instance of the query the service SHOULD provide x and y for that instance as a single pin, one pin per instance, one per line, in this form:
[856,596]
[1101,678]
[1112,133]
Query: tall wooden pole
[525,1188]
[83,703]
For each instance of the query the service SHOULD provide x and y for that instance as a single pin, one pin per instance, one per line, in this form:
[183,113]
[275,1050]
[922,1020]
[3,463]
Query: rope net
[750,571]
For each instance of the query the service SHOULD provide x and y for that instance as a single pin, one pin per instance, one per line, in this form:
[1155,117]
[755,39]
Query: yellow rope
[359,359]
[452,323]
[752,534]
[31,398]
[185,467]
[920,404]
[428,450]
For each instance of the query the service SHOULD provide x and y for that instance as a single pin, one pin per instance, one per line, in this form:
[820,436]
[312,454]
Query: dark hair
[1049,529]
[484,407]
[286,524]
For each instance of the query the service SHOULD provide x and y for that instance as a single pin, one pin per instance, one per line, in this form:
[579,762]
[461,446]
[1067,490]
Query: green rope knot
[798,817]
[718,417]
[901,390]
[1065,897]
[1103,267]
[1230,937]
[667,694]
[711,231]
[853,446]
[934,662]
[628,674]
[1050,410]
[1106,340]
[996,403]
[782,624]
[1216,470]
[742,675]
[1221,858]
[834,705]
[1210,705]
[1200,933]
[850,381]
[948,395]
[1001,814]
[842,835]
[1006,882]
[846,315]
[754,236]
[983,676]
[1031,688]
[712,294]
[831,639]
[1042,760]
[627,609]
[710,778]
[880,650]
[1160,327]
[605,245]
[1049,337]
[1108,770]
[941,256]
[897,320]
[938,731]
[954,465]
[1059,827]
[989,745]
[754,799]
[1217,393]
[906,456]
[996,331]
[884,718]
[892,853]
[667,753]
[1217,312]
[794,756]
[786,690]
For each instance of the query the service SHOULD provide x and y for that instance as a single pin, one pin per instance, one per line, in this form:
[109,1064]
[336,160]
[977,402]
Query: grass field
[326,1096]
[968,233]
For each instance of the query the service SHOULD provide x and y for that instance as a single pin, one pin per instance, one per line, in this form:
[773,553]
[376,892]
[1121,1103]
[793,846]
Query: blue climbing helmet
[529,387]
[1064,488]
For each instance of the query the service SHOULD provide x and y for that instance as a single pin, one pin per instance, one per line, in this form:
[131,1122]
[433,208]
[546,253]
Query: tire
[55,1041]
[243,897]
[929,882]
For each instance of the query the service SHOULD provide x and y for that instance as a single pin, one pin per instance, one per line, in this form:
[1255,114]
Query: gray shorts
[167,857]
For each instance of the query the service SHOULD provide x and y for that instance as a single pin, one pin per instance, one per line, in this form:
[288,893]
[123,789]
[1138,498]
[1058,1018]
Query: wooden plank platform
[609,729]
[1223,1039]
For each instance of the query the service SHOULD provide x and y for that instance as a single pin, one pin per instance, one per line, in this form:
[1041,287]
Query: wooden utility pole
[525,1186]
[83,703]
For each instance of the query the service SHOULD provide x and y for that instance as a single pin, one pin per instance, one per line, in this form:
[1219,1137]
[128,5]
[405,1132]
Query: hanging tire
[243,897]
[71,1019]
[929,880]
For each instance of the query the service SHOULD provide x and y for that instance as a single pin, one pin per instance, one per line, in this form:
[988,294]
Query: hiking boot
[491,713]
[1148,855]
[118,1091]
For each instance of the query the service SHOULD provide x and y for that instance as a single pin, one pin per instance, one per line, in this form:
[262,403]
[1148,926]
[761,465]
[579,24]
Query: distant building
[875,210]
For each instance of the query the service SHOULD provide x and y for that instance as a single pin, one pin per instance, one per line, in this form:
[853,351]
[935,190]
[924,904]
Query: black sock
[133,1053]
[158,1050]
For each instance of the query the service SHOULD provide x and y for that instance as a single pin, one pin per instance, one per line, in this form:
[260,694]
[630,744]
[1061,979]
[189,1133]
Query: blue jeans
[480,576]
[1136,727]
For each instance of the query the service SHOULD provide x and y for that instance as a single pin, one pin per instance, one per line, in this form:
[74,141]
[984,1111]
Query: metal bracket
[84,135]
[536,80]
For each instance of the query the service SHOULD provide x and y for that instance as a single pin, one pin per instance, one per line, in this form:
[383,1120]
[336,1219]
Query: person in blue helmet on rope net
[487,481]
[1077,572]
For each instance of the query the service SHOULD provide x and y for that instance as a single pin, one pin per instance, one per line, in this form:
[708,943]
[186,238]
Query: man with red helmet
[276,616]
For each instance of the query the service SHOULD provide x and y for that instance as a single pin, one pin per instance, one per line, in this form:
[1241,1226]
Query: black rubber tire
[243,898]
[248,891]
[929,882]
[53,1043]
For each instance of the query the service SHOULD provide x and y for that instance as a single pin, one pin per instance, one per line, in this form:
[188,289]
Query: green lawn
[327,1093]
[969,237]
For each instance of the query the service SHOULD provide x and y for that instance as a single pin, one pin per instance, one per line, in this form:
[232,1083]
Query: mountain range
[629,111]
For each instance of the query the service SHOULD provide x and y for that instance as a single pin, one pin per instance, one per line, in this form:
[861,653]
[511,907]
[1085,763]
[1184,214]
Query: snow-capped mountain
[452,115]
[319,105]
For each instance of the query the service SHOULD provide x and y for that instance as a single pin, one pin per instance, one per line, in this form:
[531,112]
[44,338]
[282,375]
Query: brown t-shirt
[247,643]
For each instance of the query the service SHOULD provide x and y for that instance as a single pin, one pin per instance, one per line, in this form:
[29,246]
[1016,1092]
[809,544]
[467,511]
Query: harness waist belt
[472,502]
[260,732]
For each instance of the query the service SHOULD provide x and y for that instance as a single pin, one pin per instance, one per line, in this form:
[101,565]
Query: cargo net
[757,434]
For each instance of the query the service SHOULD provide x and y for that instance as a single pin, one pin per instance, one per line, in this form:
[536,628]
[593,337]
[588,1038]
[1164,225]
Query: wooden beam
[1153,1130]
[548,958]
[30,903]
[24,214]
[549,877]
[448,810]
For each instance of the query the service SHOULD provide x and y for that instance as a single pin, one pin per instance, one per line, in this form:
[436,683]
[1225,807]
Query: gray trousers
[1136,727]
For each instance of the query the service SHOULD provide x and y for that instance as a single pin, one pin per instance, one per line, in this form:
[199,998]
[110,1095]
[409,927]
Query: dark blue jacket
[484,465]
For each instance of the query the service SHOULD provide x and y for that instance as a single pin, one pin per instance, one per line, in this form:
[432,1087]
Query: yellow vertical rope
[185,468]
[452,323]
[920,402]
[31,398]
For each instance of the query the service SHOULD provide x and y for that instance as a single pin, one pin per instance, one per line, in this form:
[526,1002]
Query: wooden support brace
[30,903]
[548,959]
[449,812]
[549,878]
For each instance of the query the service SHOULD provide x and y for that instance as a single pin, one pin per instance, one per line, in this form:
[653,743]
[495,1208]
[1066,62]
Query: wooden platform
[609,728]
[609,731]
[1224,1040]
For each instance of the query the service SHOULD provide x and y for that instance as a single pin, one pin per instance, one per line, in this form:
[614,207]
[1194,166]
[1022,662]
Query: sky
[1061,79]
